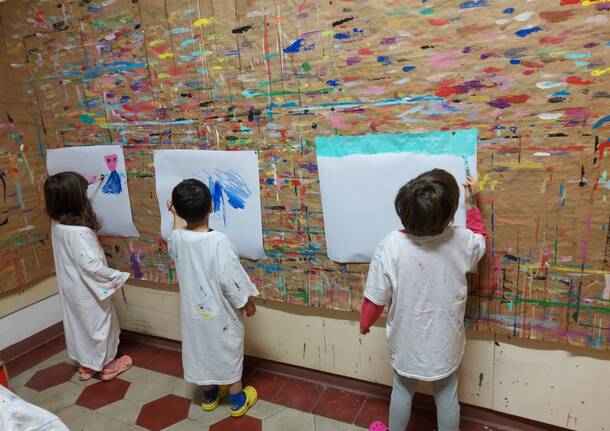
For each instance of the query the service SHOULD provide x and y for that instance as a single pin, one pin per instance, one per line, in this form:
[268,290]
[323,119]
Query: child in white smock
[85,281]
[420,272]
[215,292]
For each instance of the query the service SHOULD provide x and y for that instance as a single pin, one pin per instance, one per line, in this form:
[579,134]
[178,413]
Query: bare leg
[235,388]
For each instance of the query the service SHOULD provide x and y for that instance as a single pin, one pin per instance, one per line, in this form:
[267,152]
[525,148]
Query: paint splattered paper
[270,76]
[232,177]
[360,176]
[104,167]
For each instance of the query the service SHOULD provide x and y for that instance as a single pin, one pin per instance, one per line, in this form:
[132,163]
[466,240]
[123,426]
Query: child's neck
[202,226]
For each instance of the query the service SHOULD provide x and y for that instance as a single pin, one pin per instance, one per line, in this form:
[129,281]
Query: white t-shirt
[423,279]
[213,287]
[86,285]
[18,415]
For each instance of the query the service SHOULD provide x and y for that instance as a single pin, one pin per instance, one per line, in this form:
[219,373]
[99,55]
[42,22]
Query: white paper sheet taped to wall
[233,179]
[360,176]
[104,167]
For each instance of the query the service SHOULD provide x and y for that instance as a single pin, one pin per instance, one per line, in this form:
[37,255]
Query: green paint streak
[544,303]
[170,274]
[87,119]
[304,295]
[555,250]
[306,67]
[140,175]
[427,11]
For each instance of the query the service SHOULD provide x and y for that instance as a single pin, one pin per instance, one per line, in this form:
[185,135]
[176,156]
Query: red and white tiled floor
[153,396]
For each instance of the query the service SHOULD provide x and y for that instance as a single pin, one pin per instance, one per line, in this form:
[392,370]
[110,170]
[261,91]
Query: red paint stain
[528,72]
[365,51]
[569,2]
[492,70]
[532,65]
[551,40]
[438,22]
[520,98]
[575,80]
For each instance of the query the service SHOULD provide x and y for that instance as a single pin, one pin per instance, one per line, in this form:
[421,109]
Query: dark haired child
[85,281]
[215,291]
[420,272]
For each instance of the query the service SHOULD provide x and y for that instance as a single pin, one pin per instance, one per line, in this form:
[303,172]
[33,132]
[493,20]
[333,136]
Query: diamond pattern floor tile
[103,393]
[244,423]
[125,411]
[168,362]
[290,419]
[339,405]
[299,394]
[51,376]
[58,397]
[36,356]
[267,384]
[372,410]
[163,412]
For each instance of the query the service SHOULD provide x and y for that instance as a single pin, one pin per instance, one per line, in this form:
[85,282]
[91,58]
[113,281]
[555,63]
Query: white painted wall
[28,321]
[546,382]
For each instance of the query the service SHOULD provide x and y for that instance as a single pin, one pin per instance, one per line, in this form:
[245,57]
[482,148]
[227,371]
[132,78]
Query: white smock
[18,415]
[213,288]
[86,285]
[424,281]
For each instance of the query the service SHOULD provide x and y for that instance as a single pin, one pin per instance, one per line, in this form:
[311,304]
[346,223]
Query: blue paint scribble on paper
[227,187]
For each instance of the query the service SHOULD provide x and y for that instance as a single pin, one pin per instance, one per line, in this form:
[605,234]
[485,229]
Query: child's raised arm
[101,279]
[474,223]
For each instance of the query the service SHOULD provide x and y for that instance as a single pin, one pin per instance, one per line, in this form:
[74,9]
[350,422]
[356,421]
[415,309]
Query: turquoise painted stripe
[455,142]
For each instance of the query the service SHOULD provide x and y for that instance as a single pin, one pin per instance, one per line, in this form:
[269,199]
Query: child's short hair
[192,200]
[66,200]
[426,204]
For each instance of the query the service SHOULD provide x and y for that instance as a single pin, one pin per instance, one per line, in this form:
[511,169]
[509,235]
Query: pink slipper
[378,426]
[116,367]
[85,373]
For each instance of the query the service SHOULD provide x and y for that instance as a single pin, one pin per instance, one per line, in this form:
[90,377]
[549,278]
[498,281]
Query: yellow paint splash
[164,75]
[485,181]
[204,22]
[593,2]
[166,55]
[156,42]
[600,72]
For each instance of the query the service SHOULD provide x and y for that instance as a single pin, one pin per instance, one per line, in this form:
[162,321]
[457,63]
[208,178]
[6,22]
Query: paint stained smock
[213,288]
[86,285]
[423,280]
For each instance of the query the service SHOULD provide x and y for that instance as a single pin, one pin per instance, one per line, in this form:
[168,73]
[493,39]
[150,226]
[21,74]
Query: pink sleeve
[370,313]
[474,222]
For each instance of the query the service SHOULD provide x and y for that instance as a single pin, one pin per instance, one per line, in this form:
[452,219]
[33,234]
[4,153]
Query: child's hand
[471,191]
[250,308]
[170,207]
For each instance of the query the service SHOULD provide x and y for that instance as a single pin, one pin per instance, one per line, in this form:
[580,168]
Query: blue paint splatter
[601,122]
[332,82]
[562,93]
[408,68]
[527,31]
[515,61]
[509,10]
[384,60]
[227,187]
[294,46]
[342,36]
[473,3]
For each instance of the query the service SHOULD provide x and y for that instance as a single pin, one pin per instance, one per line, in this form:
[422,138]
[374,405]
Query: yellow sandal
[209,406]
[251,398]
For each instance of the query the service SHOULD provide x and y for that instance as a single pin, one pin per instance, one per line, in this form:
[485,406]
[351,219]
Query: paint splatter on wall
[270,76]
